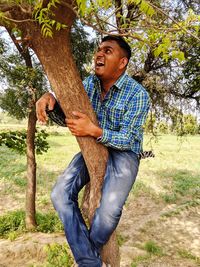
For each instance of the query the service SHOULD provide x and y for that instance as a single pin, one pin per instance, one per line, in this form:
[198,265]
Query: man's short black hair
[121,42]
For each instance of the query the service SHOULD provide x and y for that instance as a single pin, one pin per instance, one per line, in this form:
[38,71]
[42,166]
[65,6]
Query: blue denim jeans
[121,172]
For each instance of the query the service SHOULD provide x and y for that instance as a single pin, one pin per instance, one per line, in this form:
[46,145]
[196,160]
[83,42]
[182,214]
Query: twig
[18,21]
[181,27]
[100,30]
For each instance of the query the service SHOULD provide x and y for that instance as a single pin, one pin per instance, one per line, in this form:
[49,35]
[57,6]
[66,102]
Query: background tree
[26,83]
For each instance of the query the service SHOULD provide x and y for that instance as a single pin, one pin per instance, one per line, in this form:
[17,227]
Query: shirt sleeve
[57,115]
[131,128]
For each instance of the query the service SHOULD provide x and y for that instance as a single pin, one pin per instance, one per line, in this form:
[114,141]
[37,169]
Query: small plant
[141,259]
[187,255]
[169,198]
[20,181]
[121,239]
[12,236]
[152,248]
[58,256]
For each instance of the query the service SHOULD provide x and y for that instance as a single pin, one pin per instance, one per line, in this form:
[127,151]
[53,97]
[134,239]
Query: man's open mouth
[100,63]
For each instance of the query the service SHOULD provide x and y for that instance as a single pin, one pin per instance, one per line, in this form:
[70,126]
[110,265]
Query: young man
[121,106]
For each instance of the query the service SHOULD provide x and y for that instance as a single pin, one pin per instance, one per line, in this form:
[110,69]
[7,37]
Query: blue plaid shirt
[121,114]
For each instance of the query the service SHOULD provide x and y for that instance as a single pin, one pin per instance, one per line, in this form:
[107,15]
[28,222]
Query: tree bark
[31,171]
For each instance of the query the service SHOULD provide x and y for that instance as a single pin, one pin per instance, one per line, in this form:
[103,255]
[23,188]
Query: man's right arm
[47,106]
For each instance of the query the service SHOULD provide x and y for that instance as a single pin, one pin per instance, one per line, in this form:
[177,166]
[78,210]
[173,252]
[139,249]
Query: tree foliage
[23,85]
[187,124]
[16,140]
[82,47]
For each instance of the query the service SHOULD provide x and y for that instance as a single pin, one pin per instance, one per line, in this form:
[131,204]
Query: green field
[161,217]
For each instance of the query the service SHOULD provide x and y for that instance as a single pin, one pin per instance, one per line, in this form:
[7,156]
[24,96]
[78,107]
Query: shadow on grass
[179,184]
[174,184]
[12,167]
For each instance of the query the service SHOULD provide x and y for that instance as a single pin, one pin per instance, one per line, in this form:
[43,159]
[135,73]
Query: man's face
[108,60]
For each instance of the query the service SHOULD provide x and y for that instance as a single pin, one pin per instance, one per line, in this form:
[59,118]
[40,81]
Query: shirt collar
[118,84]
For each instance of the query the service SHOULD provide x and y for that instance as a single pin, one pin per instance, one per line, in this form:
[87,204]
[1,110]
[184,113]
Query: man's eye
[108,51]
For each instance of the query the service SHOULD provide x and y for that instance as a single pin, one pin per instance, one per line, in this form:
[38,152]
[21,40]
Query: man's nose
[99,53]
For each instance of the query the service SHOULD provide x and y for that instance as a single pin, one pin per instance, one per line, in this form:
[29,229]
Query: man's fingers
[51,103]
[79,114]
[47,100]
[70,121]
[40,112]
[42,117]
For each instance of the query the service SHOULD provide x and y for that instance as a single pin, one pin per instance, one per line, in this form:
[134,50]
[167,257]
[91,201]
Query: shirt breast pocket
[115,116]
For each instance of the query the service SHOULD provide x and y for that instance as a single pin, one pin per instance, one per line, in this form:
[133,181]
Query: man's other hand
[47,101]
[82,125]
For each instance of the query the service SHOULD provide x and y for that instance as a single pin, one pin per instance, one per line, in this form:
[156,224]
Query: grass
[153,251]
[174,173]
[183,206]
[141,259]
[169,176]
[188,255]
[121,239]
[172,177]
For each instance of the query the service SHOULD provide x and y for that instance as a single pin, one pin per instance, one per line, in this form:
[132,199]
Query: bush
[16,140]
[48,222]
[13,223]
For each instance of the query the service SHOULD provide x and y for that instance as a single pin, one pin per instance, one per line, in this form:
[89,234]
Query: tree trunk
[31,171]
[56,58]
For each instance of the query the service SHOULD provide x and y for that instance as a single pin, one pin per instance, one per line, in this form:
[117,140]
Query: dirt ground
[143,219]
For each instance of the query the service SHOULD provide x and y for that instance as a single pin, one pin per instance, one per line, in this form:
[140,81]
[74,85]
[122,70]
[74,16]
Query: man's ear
[123,63]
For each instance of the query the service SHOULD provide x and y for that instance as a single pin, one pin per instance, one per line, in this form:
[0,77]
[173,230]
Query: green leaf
[144,6]
[179,55]
[82,6]
[136,2]
[158,51]
[58,26]
[150,11]
[166,57]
